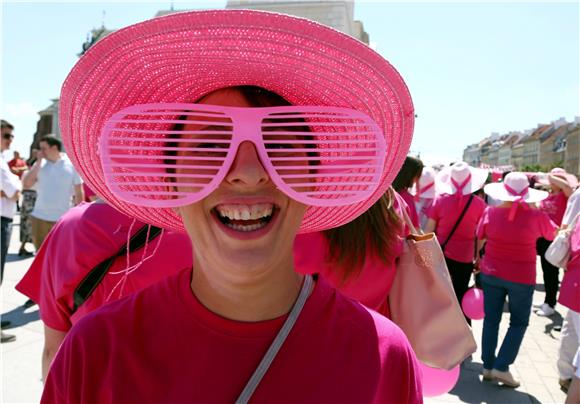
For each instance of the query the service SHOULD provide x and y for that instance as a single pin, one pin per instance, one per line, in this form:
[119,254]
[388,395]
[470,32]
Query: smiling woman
[297,128]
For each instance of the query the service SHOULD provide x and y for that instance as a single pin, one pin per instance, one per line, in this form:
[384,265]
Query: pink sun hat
[561,173]
[460,176]
[181,57]
[425,187]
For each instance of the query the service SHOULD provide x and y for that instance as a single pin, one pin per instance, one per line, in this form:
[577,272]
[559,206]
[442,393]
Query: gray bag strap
[277,343]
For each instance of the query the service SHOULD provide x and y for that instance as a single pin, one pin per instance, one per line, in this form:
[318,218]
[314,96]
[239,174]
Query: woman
[241,172]
[561,186]
[93,233]
[358,258]
[454,216]
[570,297]
[508,268]
[425,194]
[406,179]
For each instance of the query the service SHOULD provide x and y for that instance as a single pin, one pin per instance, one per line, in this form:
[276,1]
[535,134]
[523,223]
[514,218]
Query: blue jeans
[5,234]
[519,296]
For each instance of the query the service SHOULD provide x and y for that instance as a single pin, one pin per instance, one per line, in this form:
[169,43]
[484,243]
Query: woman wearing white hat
[454,216]
[510,231]
[561,185]
[424,194]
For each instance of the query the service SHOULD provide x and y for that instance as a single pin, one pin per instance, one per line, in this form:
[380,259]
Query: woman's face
[246,224]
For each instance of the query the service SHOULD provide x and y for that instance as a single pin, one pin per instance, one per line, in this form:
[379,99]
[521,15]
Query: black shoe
[28,303]
[8,337]
[5,323]
[25,253]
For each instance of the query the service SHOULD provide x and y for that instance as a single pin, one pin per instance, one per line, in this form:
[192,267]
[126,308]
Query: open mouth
[245,218]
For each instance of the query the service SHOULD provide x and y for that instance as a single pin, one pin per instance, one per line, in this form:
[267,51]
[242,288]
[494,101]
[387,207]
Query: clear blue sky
[472,68]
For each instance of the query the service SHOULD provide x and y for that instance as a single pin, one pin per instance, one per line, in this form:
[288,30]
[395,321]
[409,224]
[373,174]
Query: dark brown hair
[409,172]
[376,230]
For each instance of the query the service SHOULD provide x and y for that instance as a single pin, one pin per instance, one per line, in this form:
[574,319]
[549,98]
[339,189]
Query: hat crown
[427,177]
[517,181]
[460,172]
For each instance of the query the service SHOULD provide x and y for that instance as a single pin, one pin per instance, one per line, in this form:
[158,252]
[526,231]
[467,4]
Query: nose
[247,170]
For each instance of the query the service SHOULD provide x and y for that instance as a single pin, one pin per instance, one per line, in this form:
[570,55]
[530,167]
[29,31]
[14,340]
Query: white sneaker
[545,310]
[506,378]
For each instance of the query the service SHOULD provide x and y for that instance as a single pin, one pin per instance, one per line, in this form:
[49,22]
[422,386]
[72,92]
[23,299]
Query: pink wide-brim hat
[182,57]
[571,179]
[459,172]
[517,182]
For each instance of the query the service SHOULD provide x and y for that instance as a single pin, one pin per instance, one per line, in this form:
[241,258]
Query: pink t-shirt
[510,251]
[85,236]
[410,200]
[161,345]
[372,285]
[445,211]
[555,206]
[570,286]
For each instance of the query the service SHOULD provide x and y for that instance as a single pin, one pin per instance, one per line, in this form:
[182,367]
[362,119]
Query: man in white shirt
[10,191]
[59,187]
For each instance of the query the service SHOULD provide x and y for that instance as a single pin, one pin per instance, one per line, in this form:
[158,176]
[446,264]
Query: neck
[52,159]
[262,295]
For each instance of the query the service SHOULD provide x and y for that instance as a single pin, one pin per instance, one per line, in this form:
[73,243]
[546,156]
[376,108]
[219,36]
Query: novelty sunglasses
[173,154]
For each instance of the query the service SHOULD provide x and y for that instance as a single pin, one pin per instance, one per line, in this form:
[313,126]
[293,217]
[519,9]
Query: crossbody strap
[457,223]
[90,282]
[277,343]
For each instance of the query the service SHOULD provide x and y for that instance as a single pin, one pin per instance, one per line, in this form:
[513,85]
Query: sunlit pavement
[535,366]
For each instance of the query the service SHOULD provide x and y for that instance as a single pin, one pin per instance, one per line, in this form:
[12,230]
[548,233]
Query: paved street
[535,365]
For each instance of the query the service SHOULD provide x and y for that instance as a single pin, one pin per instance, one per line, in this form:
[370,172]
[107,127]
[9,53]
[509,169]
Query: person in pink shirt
[188,141]
[359,258]
[453,217]
[424,194]
[84,237]
[570,290]
[561,186]
[508,268]
[406,179]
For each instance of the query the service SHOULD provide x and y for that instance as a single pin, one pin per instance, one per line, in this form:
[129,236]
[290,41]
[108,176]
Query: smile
[245,218]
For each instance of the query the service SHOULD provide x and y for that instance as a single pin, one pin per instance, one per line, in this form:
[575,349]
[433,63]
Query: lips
[245,217]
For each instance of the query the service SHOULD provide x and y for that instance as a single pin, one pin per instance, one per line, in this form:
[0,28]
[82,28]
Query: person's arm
[573,396]
[31,176]
[562,184]
[14,196]
[479,246]
[52,341]
[430,226]
[79,194]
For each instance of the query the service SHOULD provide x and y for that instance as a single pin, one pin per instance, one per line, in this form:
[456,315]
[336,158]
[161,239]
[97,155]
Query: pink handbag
[423,304]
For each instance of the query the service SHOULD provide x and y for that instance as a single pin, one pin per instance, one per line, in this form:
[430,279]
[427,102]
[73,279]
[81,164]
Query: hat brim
[444,185]
[571,179]
[498,192]
[183,56]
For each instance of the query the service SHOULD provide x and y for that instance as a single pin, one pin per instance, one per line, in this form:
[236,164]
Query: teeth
[246,228]
[245,212]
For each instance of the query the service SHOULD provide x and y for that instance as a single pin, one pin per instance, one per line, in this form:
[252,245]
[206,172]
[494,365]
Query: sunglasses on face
[8,136]
[171,155]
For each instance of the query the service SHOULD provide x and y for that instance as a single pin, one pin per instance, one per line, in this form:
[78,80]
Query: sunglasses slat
[171,121]
[164,157]
[171,148]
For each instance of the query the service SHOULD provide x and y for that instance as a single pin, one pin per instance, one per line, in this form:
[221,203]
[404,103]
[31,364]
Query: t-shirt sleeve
[9,182]
[77,180]
[434,211]
[547,226]
[481,230]
[403,380]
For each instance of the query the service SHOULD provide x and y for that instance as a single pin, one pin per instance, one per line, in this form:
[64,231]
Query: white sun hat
[460,176]
[515,188]
[426,185]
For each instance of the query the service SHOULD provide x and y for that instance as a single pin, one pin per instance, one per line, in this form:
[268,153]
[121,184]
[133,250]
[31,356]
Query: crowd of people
[255,216]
